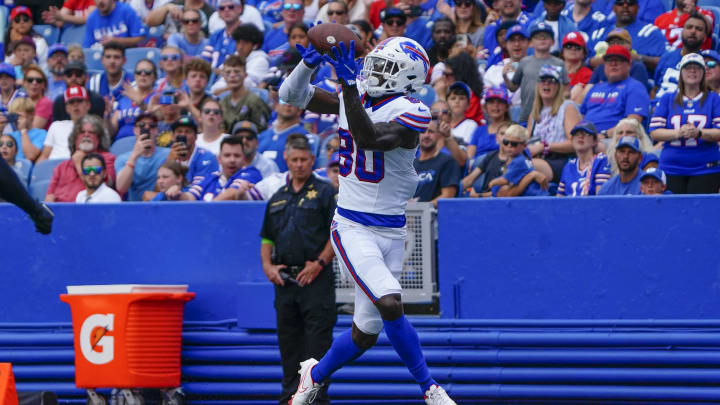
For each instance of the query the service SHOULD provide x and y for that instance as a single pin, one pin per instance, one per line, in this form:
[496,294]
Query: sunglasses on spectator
[293,6]
[336,12]
[625,3]
[229,7]
[215,111]
[146,126]
[511,143]
[21,18]
[75,100]
[147,72]
[75,73]
[9,144]
[395,21]
[573,47]
[173,56]
[88,170]
[711,64]
[188,21]
[34,79]
[446,73]
[548,80]
[466,3]
[248,137]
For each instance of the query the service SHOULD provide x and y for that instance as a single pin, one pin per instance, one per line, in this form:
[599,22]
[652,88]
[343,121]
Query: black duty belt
[292,271]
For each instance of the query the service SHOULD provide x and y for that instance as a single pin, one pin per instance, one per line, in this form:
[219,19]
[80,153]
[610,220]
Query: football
[325,36]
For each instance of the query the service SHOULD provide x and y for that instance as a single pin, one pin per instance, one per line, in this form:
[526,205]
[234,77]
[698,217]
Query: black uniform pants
[306,317]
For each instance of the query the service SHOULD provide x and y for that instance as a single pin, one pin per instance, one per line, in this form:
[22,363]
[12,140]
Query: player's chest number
[369,166]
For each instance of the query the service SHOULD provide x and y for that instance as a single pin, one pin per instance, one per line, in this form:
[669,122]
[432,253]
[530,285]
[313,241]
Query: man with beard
[672,22]
[93,176]
[694,33]
[56,62]
[443,36]
[439,173]
[627,181]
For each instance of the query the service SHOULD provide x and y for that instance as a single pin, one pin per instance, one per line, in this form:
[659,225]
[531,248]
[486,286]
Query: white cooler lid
[125,289]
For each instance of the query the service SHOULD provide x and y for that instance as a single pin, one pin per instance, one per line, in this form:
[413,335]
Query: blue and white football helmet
[396,65]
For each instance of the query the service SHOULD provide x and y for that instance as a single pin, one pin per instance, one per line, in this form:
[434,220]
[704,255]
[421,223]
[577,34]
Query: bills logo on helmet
[414,53]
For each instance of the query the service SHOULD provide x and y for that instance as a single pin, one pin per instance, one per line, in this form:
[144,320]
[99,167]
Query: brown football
[325,36]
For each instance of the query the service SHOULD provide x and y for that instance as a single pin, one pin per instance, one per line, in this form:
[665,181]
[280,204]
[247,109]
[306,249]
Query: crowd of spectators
[549,97]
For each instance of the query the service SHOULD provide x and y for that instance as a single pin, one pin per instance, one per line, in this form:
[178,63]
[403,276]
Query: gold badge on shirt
[312,194]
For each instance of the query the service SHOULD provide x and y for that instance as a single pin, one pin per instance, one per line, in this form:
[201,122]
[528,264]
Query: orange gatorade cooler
[127,336]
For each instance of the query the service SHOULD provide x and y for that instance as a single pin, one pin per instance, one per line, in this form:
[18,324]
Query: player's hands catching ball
[310,56]
[344,63]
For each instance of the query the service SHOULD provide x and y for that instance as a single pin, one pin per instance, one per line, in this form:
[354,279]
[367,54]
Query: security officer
[297,227]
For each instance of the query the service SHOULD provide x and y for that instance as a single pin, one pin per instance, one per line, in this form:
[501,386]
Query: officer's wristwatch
[322,262]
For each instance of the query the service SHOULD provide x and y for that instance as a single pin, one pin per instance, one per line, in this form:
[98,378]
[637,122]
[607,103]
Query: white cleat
[307,389]
[436,395]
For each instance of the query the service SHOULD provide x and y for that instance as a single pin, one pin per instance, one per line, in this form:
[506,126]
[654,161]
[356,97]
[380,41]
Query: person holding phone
[200,162]
[137,169]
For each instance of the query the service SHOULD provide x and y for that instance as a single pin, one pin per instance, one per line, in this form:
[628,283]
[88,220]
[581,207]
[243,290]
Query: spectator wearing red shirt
[671,23]
[574,52]
[88,136]
[72,12]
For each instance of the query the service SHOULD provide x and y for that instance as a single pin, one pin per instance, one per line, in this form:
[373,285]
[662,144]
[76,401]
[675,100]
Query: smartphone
[168,97]
[415,11]
[461,39]
[144,136]
[181,139]
[12,118]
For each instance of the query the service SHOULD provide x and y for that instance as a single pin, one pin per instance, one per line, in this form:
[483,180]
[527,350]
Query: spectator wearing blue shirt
[7,84]
[271,142]
[417,27]
[693,35]
[222,42]
[191,40]
[137,170]
[520,178]
[168,175]
[653,182]
[505,10]
[638,71]
[712,70]
[561,24]
[620,97]
[586,173]
[497,112]
[200,162]
[133,100]
[687,122]
[247,131]
[111,82]
[394,23]
[631,127]
[439,174]
[113,21]
[30,140]
[627,181]
[588,15]
[56,61]
[231,183]
[276,41]
[648,41]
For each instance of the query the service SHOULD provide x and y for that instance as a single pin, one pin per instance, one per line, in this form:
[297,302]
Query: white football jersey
[375,186]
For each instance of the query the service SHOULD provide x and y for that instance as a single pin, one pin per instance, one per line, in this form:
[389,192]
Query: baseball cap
[392,12]
[617,50]
[584,125]
[516,29]
[629,141]
[75,65]
[236,2]
[463,86]
[334,159]
[575,37]
[709,53]
[628,1]
[76,92]
[7,69]
[692,58]
[26,40]
[539,27]
[20,10]
[184,121]
[620,33]
[496,92]
[57,48]
[550,71]
[245,126]
[146,114]
[656,173]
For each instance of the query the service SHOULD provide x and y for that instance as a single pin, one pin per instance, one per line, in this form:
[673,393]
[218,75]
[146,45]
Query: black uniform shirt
[299,223]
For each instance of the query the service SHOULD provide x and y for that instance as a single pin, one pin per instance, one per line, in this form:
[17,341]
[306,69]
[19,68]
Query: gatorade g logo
[96,346]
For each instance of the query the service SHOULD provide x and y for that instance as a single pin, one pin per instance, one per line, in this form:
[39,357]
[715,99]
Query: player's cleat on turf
[436,395]
[307,388]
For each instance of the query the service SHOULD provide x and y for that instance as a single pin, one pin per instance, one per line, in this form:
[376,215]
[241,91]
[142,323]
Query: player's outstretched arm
[382,136]
[296,89]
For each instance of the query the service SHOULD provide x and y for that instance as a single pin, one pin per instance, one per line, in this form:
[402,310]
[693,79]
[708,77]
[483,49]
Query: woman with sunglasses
[133,100]
[191,39]
[21,25]
[712,70]
[8,151]
[469,16]
[88,136]
[688,123]
[35,85]
[212,127]
[171,64]
[551,119]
